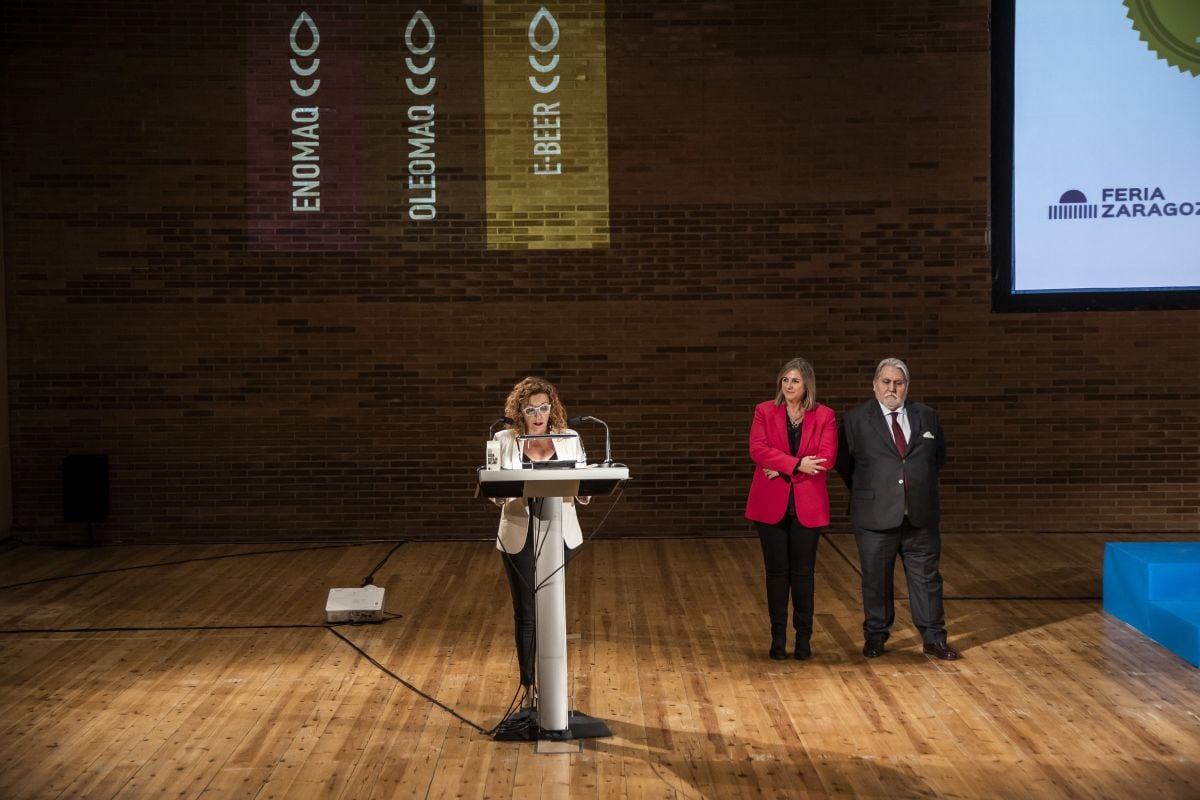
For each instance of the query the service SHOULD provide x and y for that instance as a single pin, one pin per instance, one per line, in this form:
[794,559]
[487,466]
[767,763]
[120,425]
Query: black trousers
[790,556]
[920,551]
[519,567]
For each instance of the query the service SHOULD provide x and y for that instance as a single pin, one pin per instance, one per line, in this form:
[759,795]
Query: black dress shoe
[873,648]
[803,650]
[941,650]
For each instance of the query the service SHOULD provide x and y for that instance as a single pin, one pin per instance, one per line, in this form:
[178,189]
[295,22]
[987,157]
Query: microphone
[607,439]
[497,424]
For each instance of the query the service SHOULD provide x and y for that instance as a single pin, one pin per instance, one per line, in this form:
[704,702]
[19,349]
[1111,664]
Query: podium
[554,720]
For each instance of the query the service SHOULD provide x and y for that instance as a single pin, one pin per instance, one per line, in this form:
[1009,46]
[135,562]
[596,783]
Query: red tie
[898,434]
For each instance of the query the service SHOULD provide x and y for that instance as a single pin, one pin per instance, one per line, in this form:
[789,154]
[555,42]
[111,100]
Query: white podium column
[551,599]
[555,720]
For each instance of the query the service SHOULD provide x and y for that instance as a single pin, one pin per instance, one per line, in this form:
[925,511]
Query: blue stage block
[1176,626]
[1155,587]
[1176,582]
[1127,583]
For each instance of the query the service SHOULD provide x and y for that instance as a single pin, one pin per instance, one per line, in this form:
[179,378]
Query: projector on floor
[355,605]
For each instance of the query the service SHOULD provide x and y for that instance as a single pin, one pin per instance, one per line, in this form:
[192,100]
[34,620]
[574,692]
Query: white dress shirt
[901,417]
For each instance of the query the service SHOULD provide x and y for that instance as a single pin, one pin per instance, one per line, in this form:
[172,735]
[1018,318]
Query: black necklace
[795,423]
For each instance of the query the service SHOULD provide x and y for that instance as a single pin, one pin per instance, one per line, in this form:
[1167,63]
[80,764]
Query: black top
[525,459]
[794,433]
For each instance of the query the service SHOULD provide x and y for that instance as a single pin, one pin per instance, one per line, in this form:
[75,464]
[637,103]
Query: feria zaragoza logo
[1122,202]
[1171,30]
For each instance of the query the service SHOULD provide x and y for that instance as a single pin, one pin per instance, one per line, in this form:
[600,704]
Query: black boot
[778,646]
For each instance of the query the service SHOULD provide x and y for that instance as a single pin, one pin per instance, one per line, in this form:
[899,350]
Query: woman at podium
[534,408]
[793,441]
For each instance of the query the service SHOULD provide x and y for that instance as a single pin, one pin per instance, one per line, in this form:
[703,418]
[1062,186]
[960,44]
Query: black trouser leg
[789,557]
[802,563]
[519,568]
[877,552]
[920,552]
[774,549]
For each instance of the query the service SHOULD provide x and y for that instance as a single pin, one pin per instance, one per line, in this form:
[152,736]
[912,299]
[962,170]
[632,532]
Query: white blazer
[514,518]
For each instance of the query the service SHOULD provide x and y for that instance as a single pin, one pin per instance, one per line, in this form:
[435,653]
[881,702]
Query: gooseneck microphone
[607,439]
[497,424]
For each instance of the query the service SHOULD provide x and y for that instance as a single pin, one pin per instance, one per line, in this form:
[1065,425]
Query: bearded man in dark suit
[889,455]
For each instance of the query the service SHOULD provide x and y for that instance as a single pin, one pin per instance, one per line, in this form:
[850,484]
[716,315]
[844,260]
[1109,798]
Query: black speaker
[85,488]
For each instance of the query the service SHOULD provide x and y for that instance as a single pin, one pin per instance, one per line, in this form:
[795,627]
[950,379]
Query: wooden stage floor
[207,671]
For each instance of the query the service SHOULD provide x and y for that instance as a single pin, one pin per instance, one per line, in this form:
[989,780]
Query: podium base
[522,726]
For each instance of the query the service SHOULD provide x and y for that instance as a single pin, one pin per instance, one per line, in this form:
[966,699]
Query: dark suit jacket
[870,464]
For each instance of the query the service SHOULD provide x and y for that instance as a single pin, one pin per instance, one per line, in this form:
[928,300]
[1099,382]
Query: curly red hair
[518,398]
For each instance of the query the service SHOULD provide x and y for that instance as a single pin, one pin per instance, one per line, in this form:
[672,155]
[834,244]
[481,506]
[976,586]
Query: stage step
[1155,587]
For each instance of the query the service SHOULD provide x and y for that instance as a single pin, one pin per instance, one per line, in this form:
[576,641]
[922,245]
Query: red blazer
[769,448]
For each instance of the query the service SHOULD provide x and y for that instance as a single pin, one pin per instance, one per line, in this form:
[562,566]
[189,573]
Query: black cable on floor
[370,579]
[408,685]
[994,598]
[186,561]
[332,628]
[165,628]
[587,539]
[853,564]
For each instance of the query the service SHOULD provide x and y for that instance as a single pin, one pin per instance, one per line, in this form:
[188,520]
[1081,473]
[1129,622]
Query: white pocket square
[927,435]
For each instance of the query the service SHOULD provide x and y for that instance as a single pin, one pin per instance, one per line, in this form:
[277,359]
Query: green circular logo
[1171,28]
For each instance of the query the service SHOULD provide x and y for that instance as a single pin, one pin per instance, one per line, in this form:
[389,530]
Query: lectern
[554,720]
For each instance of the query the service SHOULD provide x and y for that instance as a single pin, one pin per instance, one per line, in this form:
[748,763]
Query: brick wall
[785,179]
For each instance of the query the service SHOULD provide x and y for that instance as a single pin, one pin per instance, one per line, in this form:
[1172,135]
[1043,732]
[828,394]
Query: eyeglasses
[530,411]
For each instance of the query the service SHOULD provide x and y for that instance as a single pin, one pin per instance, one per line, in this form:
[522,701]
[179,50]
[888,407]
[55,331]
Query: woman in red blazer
[793,441]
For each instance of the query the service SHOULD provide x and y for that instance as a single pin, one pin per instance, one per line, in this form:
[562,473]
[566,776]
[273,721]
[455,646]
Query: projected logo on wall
[546,125]
[1122,202]
[329,168]
[304,128]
